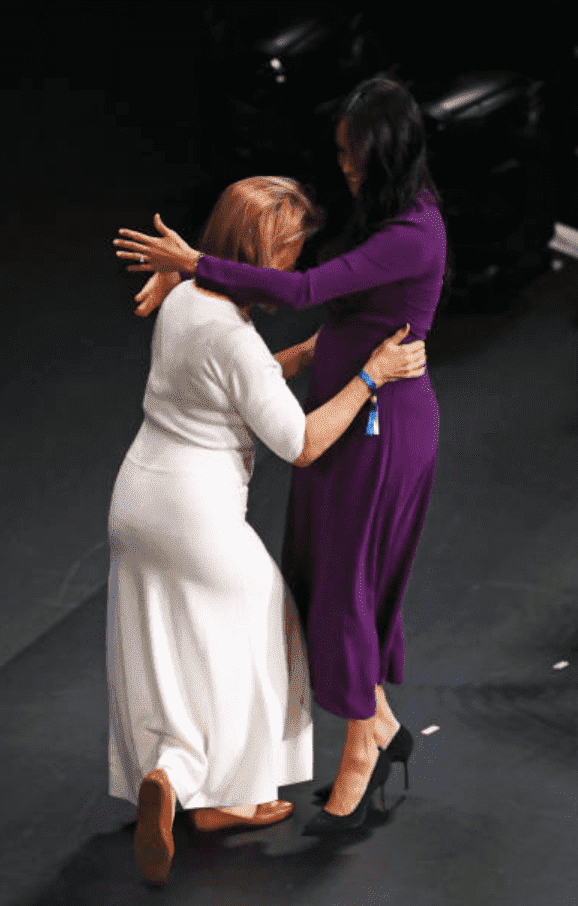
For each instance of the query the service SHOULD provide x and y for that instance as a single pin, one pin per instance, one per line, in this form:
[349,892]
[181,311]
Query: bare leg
[358,759]
[360,754]
[386,724]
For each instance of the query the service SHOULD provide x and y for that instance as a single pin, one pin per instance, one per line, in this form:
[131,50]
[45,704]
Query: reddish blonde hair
[254,218]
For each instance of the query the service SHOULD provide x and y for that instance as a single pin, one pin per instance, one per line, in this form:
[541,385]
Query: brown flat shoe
[154,847]
[208,819]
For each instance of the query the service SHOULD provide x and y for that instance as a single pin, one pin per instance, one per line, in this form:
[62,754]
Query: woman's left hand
[165,254]
[309,347]
[155,291]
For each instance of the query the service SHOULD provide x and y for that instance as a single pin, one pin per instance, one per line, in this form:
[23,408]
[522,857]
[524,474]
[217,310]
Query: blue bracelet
[365,377]
[373,423]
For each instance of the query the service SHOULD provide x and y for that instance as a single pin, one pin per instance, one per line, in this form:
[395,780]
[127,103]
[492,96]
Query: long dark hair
[387,137]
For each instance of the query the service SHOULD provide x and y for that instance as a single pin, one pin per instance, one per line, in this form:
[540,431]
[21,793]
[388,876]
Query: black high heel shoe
[399,749]
[324,823]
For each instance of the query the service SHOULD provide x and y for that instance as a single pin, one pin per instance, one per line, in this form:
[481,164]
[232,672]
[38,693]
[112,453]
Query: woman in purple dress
[355,516]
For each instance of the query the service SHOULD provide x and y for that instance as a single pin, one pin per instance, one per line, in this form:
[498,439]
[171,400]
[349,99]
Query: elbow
[305,458]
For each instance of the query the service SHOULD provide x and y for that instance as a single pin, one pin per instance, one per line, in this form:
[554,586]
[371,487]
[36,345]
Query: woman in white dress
[207,673]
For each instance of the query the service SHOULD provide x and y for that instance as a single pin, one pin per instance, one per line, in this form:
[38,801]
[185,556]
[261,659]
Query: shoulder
[426,215]
[180,306]
[189,308]
[206,293]
[241,359]
[415,232]
[187,289]
[238,344]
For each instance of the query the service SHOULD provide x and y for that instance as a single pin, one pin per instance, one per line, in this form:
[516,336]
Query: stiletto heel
[325,823]
[399,749]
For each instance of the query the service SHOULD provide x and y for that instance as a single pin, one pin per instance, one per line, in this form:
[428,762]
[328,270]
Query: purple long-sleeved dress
[356,514]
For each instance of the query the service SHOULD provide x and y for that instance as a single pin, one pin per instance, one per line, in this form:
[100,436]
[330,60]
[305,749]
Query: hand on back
[392,361]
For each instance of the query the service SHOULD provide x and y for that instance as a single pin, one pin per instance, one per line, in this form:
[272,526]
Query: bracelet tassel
[373,423]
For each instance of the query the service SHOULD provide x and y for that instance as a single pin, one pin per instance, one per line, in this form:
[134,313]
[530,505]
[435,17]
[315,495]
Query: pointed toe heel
[325,824]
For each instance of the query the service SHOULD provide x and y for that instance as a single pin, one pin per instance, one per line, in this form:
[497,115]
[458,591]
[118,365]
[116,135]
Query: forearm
[396,253]
[245,284]
[170,279]
[295,358]
[326,424]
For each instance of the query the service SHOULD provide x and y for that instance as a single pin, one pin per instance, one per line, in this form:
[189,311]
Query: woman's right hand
[394,362]
[309,350]
[155,291]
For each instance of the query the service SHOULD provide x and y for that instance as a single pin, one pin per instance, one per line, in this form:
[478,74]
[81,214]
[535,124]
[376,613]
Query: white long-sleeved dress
[207,673]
